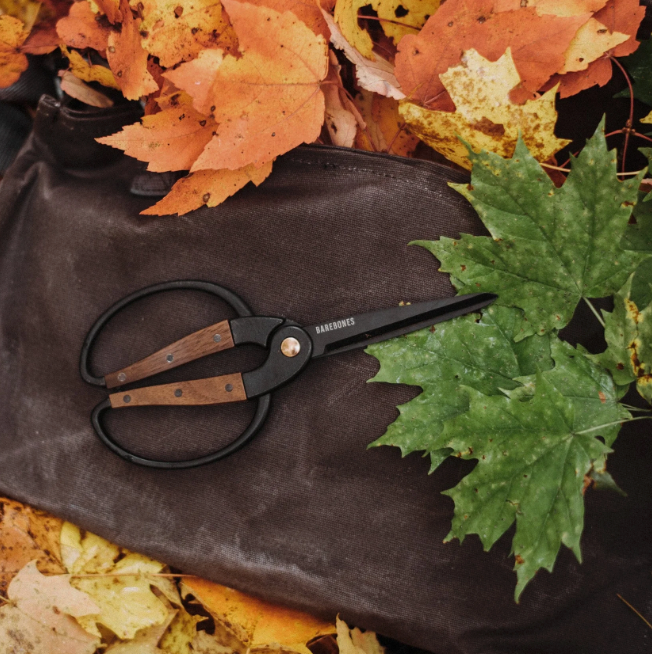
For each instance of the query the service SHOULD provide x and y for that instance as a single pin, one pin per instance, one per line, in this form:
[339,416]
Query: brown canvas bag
[305,515]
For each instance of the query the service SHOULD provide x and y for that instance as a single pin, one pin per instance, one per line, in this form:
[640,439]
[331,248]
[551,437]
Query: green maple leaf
[532,459]
[465,352]
[628,332]
[551,247]
[638,236]
[638,65]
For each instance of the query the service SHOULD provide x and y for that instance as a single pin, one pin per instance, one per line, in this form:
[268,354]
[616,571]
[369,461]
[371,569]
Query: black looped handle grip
[241,309]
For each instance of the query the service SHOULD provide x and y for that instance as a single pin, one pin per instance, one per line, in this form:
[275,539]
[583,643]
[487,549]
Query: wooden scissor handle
[212,390]
[208,340]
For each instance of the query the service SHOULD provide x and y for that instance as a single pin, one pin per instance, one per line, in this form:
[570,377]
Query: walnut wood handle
[213,390]
[199,344]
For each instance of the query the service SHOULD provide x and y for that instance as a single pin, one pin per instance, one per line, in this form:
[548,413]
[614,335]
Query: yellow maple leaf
[485,117]
[396,17]
[126,601]
[647,119]
[177,30]
[248,624]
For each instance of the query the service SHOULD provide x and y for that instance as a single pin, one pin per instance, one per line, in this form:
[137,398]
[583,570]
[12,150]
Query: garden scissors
[290,348]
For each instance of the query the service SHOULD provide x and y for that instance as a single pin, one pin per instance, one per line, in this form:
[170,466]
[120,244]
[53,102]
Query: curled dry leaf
[128,59]
[38,619]
[171,139]
[207,187]
[485,117]
[354,641]
[181,634]
[27,535]
[266,102]
[251,625]
[80,68]
[111,9]
[178,30]
[83,29]
[79,90]
[396,17]
[12,61]
[377,75]
[342,116]
[385,130]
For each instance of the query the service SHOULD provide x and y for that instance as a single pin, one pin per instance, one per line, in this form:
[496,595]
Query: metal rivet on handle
[217,338]
[178,393]
[229,388]
[290,347]
[169,358]
[122,377]
[126,399]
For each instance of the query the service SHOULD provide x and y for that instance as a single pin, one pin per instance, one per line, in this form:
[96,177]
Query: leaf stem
[567,170]
[630,120]
[595,311]
[633,609]
[129,574]
[611,424]
[629,407]
[388,20]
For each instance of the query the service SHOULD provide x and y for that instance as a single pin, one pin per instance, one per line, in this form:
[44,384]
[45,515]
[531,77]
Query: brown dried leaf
[83,29]
[27,535]
[12,61]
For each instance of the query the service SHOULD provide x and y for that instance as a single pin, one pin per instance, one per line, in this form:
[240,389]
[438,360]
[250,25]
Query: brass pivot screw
[290,347]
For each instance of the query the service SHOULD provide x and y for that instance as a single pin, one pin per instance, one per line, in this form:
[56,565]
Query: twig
[630,120]
[391,143]
[128,574]
[633,609]
[595,311]
[641,136]
[387,20]
[5,599]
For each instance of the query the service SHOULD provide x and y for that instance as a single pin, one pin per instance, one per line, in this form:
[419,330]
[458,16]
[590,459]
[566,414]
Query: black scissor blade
[359,331]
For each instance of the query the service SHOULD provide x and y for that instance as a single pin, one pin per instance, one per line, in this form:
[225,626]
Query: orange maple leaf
[623,16]
[266,102]
[538,43]
[81,28]
[171,139]
[127,58]
[304,10]
[12,61]
[207,187]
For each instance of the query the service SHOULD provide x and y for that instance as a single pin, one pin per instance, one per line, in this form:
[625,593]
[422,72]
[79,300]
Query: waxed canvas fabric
[305,515]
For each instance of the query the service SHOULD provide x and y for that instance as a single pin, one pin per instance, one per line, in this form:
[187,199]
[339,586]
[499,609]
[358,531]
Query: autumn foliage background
[229,86]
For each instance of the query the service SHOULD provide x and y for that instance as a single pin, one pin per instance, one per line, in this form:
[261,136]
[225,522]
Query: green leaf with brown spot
[628,332]
[532,459]
[550,247]
[444,360]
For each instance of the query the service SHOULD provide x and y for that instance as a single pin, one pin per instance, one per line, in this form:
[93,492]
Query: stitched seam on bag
[334,166]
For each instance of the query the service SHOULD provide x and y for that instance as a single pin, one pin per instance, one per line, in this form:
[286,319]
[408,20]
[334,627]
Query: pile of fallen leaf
[64,591]
[228,86]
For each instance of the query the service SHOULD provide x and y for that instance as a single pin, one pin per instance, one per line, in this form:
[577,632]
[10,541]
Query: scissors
[290,348]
